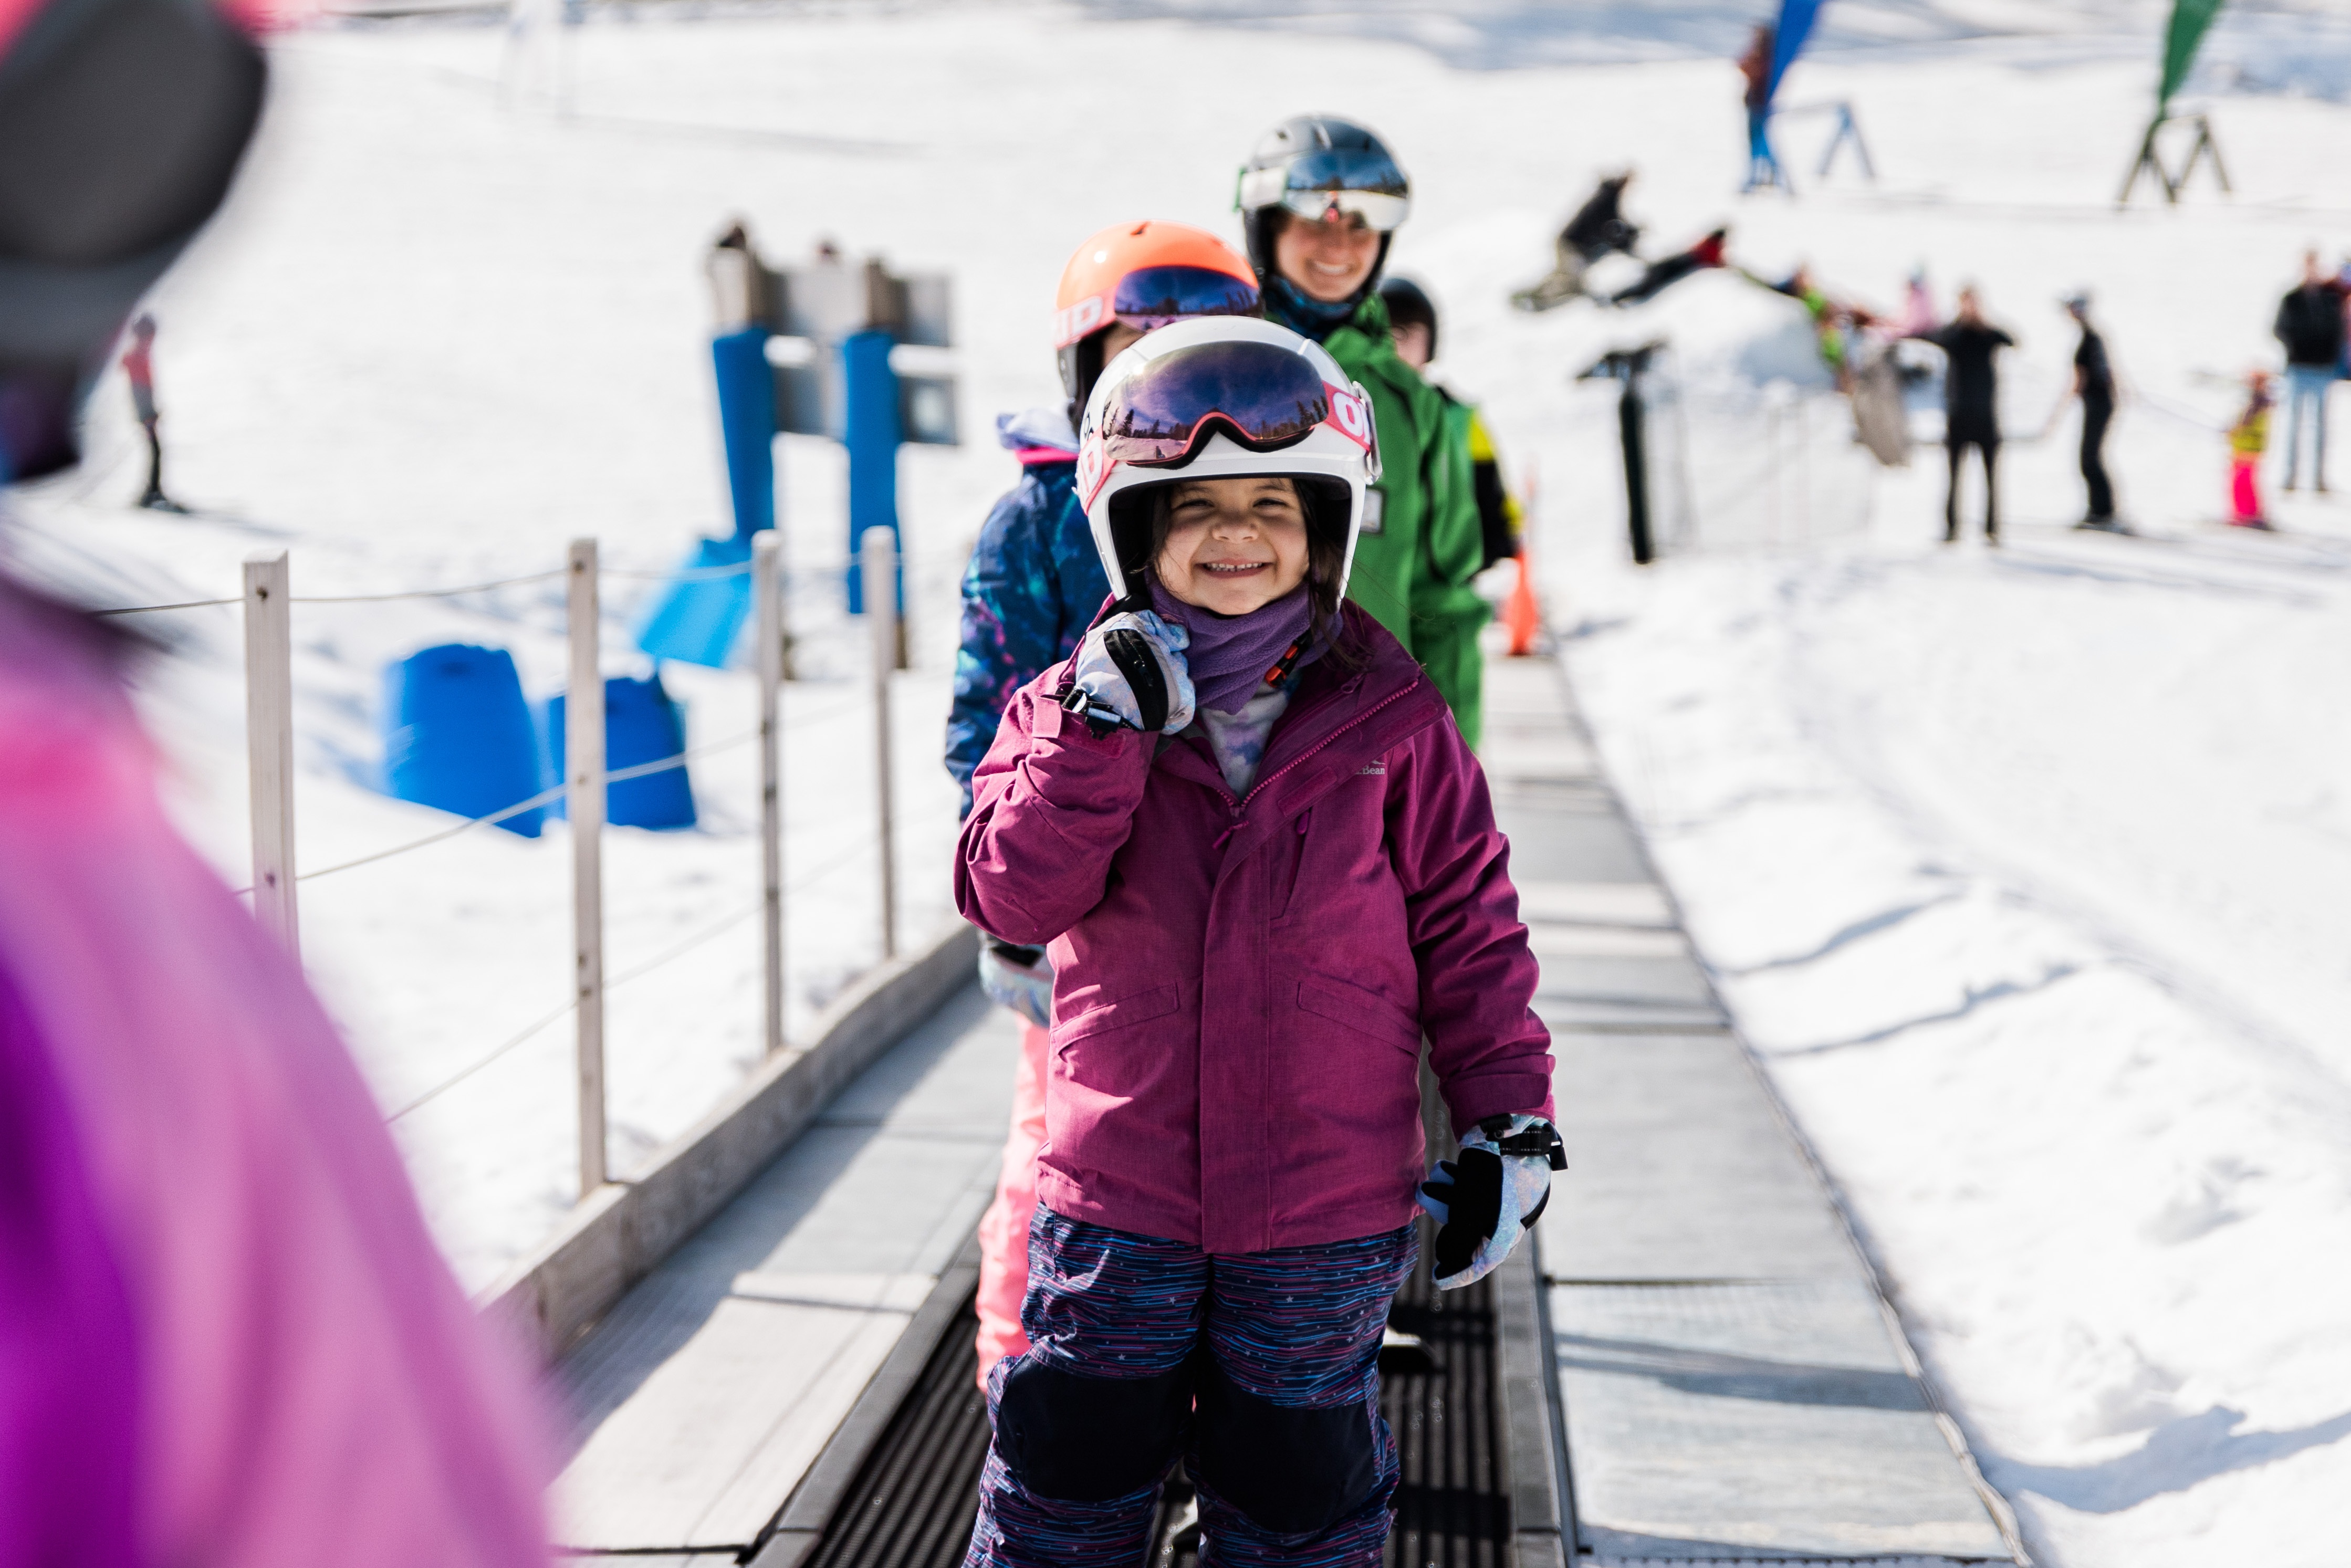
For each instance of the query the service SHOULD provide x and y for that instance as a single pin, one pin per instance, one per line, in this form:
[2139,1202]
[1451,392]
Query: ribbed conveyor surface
[911,1504]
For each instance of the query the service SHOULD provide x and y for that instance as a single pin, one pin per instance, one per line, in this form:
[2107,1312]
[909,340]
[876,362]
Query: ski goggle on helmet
[1144,275]
[1327,170]
[1228,398]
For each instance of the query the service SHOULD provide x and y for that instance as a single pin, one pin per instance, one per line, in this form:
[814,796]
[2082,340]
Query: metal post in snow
[768,612]
[879,565]
[583,777]
[269,742]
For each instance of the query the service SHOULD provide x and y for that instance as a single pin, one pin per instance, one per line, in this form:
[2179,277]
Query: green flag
[2190,20]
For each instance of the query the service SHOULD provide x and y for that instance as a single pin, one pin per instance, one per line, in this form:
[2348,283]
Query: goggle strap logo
[1082,317]
[1093,473]
[1351,416]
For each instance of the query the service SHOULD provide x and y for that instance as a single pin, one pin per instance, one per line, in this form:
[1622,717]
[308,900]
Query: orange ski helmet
[1145,275]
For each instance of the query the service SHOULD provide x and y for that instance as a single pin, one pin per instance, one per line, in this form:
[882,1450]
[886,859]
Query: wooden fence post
[768,600]
[583,772]
[880,553]
[270,743]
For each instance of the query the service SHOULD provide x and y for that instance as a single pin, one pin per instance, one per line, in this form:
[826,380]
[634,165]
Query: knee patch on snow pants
[1290,1468]
[1088,1439]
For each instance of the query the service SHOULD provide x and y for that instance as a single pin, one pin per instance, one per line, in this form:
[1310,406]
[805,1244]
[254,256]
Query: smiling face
[1327,261]
[1233,545]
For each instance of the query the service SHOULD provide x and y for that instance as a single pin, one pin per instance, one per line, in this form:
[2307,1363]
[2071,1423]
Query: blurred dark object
[122,123]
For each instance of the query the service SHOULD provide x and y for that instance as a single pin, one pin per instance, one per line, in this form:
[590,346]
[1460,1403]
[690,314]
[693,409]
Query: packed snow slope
[2021,871]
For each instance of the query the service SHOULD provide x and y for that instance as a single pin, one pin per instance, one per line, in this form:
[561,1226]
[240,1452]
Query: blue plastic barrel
[642,723]
[457,735]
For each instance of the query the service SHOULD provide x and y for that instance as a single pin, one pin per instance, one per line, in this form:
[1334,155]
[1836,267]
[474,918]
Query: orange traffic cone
[1522,615]
[1522,612]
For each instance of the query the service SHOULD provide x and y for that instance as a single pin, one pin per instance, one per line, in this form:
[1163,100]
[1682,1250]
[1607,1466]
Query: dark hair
[1325,503]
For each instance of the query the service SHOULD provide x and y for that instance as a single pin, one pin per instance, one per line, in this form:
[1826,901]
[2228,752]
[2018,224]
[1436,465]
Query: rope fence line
[610,982]
[820,569]
[544,798]
[428,592]
[268,601]
[550,796]
[153,609]
[684,574]
[800,883]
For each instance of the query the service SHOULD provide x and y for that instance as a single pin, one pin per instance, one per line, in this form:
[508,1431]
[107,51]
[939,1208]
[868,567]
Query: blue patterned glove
[1488,1195]
[1131,671]
[1020,977]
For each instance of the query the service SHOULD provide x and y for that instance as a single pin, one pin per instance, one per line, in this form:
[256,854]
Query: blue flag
[1787,39]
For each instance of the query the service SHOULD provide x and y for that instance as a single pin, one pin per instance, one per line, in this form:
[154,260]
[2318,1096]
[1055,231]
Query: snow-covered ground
[2022,870]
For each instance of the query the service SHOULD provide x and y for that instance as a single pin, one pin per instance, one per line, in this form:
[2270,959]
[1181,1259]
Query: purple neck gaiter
[1229,654]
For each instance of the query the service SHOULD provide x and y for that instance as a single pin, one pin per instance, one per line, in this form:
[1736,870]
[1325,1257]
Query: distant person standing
[1755,67]
[2093,383]
[2310,325]
[1970,405]
[2248,439]
[138,364]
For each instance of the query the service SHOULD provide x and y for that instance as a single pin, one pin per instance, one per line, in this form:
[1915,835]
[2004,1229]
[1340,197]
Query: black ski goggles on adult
[1330,184]
[1263,396]
[1151,297]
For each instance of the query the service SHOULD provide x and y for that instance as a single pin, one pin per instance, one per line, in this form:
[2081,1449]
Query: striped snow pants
[1261,1369]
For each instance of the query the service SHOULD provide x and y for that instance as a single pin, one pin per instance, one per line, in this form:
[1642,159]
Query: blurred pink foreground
[227,1338]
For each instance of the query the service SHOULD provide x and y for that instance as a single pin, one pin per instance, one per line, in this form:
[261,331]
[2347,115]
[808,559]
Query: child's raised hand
[1485,1197]
[1132,671]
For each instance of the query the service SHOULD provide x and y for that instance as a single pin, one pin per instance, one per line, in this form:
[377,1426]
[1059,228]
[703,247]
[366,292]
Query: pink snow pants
[2245,489]
[1004,1228]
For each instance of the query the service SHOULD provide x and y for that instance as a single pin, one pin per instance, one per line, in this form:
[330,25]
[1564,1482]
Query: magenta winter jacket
[1241,987]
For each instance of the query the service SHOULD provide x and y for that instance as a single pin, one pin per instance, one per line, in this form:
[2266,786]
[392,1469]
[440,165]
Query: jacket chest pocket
[1287,860]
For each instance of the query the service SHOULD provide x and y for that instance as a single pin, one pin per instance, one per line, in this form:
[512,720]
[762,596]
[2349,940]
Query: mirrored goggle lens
[1264,396]
[1154,296]
[1381,212]
[1348,169]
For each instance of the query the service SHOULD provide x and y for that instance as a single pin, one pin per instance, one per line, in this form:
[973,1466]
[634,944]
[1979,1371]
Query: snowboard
[1879,417]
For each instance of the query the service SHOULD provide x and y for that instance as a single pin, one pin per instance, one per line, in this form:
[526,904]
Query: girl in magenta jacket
[1266,866]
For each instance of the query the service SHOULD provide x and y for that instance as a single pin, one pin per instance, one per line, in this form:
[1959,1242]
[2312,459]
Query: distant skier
[1663,274]
[1918,305]
[1597,229]
[2343,283]
[2310,324]
[2093,383]
[1832,321]
[138,364]
[1970,405]
[1755,66]
[2248,439]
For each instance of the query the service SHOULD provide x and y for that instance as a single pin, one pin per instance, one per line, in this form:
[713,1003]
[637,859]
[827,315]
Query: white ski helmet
[1221,397]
